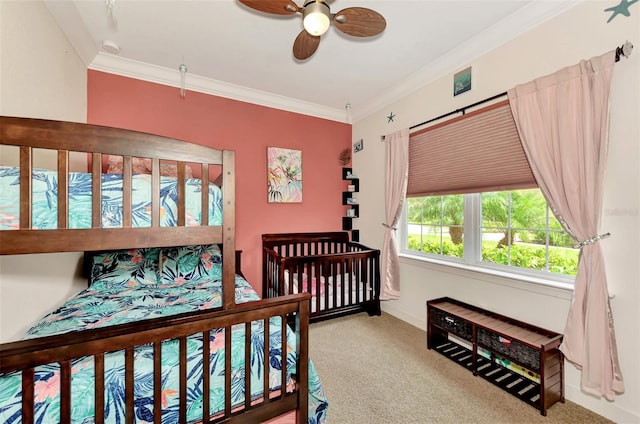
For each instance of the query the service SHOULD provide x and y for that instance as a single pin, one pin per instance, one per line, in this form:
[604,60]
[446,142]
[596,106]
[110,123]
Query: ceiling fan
[316,19]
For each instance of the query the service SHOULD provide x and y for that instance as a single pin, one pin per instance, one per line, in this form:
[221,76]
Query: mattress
[131,294]
[45,198]
[328,297]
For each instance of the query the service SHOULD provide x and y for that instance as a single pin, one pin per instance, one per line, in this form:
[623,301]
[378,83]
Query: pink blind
[477,152]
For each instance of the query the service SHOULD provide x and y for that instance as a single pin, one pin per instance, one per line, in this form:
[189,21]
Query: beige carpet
[378,370]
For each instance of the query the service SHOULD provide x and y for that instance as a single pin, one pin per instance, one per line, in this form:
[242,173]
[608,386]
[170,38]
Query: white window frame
[472,260]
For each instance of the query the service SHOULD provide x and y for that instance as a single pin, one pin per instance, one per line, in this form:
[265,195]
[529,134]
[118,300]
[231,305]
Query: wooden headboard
[65,137]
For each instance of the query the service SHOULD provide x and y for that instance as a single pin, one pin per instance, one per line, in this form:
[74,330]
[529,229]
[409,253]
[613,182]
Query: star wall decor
[391,115]
[621,9]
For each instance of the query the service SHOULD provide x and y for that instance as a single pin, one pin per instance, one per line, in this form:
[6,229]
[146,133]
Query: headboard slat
[25,186]
[155,193]
[204,178]
[96,189]
[63,188]
[181,194]
[126,192]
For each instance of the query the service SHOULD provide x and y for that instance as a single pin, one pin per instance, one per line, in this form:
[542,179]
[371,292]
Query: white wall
[41,76]
[579,33]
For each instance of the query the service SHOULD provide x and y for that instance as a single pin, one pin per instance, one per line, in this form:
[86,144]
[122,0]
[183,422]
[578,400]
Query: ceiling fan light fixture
[316,18]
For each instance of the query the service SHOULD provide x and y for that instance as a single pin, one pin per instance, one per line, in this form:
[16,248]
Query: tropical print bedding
[45,198]
[129,286]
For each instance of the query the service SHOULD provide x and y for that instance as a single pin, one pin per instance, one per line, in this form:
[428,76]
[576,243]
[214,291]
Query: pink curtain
[563,122]
[396,176]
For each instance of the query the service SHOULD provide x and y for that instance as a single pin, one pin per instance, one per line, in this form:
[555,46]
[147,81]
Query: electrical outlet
[358,146]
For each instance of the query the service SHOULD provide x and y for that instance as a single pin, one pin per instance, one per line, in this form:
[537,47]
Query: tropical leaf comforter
[45,200]
[149,283]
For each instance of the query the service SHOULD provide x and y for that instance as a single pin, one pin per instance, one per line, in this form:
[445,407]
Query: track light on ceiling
[317,18]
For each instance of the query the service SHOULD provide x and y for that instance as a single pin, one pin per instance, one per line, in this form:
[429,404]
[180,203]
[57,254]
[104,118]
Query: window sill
[559,289]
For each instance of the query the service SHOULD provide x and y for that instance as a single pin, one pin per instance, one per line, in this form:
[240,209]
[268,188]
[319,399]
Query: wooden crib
[342,277]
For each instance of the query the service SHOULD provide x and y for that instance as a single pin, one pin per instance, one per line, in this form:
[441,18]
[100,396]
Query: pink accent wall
[248,129]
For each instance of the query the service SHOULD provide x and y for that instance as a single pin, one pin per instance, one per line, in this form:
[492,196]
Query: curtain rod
[460,110]
[624,50]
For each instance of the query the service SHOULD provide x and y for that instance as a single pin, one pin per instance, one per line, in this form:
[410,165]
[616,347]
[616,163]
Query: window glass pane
[453,210]
[432,210]
[528,208]
[453,241]
[495,209]
[563,260]
[554,223]
[562,239]
[435,225]
[527,241]
[528,255]
[414,209]
[495,245]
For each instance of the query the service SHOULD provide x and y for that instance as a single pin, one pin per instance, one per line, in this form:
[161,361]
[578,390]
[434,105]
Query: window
[435,224]
[512,230]
[472,199]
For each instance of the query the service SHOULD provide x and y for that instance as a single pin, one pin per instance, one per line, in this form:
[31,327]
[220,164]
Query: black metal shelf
[347,197]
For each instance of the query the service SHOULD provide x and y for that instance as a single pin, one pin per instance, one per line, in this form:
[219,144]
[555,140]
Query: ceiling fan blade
[305,45]
[359,22]
[279,7]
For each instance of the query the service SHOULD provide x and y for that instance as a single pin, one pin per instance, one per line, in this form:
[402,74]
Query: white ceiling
[236,52]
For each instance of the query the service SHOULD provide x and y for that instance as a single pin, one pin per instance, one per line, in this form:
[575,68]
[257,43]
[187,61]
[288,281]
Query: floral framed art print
[284,175]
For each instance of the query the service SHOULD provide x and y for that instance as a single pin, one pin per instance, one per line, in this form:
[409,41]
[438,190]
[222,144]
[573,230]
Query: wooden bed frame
[323,258]
[65,137]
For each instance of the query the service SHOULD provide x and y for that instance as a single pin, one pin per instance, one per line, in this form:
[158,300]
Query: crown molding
[523,20]
[117,65]
[526,18]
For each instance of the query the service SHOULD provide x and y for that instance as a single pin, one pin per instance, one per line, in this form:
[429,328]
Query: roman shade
[477,152]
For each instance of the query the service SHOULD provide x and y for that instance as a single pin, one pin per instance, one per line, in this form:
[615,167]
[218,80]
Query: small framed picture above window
[462,81]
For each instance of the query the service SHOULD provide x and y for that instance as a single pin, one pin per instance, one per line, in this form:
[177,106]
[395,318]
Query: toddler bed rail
[343,277]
